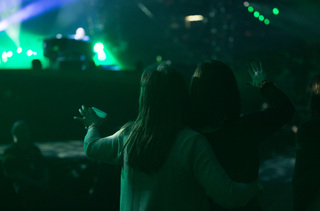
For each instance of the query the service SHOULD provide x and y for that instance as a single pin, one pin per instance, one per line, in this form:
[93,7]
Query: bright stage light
[250,9]
[275,11]
[29,53]
[192,18]
[9,54]
[59,36]
[19,50]
[246,4]
[80,34]
[4,57]
[256,14]
[98,47]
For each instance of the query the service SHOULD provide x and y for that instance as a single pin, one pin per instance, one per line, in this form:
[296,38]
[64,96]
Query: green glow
[104,56]
[261,18]
[250,8]
[159,58]
[16,55]
[266,21]
[275,11]
[256,14]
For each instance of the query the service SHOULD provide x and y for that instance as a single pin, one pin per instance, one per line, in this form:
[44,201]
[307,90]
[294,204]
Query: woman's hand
[89,117]
[257,75]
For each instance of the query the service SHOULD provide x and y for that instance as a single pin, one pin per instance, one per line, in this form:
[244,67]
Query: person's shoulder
[189,137]
[189,133]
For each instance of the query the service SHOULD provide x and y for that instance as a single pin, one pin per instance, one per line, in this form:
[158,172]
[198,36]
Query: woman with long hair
[164,165]
[216,113]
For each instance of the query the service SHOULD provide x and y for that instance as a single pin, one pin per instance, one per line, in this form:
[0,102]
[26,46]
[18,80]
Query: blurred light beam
[192,18]
[32,10]
[145,10]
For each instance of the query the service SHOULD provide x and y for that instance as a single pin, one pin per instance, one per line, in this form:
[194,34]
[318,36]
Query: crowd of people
[189,148]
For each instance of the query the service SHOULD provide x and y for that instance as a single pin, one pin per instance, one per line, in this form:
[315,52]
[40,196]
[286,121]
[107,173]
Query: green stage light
[250,8]
[256,14]
[266,21]
[159,58]
[261,18]
[275,11]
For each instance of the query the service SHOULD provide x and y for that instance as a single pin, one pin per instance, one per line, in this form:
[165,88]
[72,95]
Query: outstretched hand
[89,117]
[256,73]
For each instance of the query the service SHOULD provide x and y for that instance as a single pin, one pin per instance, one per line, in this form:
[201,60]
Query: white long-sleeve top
[190,174]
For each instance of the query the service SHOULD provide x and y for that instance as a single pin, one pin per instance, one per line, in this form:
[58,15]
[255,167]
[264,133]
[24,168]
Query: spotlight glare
[29,53]
[59,36]
[250,9]
[19,50]
[98,47]
[192,18]
[4,57]
[102,56]
[9,54]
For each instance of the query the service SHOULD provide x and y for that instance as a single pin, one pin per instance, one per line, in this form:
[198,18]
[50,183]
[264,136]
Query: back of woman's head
[214,95]
[162,111]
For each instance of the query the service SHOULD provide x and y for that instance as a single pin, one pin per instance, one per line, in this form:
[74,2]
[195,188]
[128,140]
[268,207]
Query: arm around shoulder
[213,178]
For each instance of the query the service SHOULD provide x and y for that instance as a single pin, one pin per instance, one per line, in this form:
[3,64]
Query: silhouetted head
[313,93]
[214,95]
[20,132]
[36,65]
[162,111]
[163,94]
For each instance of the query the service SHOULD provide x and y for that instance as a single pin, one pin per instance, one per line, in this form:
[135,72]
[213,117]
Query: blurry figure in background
[306,177]
[24,166]
[216,113]
[36,65]
[164,165]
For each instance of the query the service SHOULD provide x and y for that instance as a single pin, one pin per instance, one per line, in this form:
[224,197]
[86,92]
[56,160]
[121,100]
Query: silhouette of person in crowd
[306,177]
[24,166]
[216,113]
[165,165]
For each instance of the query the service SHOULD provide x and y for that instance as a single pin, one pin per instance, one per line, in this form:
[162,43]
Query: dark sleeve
[306,177]
[268,121]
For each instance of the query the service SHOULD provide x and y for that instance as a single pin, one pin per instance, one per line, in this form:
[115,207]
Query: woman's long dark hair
[214,95]
[162,110]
